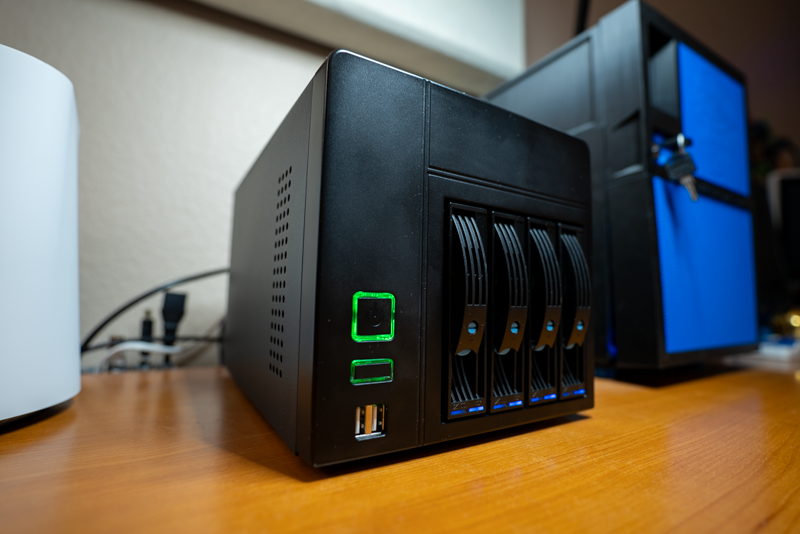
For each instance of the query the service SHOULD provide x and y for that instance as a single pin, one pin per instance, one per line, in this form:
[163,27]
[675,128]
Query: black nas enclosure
[666,123]
[409,265]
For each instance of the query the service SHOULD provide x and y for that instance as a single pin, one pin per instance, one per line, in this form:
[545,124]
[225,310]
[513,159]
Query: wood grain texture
[183,451]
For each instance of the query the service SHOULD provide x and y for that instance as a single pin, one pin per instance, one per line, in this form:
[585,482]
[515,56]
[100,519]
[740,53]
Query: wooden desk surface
[183,451]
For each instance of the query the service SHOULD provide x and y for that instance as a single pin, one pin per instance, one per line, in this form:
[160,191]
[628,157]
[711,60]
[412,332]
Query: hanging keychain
[680,167]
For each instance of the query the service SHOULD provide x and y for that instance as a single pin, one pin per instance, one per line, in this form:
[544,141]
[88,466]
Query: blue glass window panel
[707,266]
[714,117]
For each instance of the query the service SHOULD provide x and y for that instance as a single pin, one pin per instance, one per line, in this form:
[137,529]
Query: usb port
[370,421]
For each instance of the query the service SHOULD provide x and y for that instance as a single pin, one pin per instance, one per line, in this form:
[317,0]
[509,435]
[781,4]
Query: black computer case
[624,86]
[408,266]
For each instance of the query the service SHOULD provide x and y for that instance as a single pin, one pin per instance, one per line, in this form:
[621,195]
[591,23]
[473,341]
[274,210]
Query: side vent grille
[278,311]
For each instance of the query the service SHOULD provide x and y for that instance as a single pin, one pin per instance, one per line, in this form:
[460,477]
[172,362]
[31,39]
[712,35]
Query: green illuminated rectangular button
[373,317]
[371,371]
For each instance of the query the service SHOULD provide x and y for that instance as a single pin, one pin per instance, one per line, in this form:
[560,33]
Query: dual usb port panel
[518,294]
[370,421]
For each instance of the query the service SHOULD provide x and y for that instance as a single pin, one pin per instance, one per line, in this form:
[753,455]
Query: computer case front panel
[395,275]
[668,300]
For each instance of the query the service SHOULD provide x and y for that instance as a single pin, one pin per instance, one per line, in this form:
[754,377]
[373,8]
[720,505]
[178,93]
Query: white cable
[136,345]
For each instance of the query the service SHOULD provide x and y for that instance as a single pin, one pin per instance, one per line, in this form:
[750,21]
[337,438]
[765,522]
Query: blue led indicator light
[476,409]
[457,412]
[536,399]
[550,397]
[472,327]
[498,406]
[515,403]
[550,326]
[580,325]
[566,394]
[580,392]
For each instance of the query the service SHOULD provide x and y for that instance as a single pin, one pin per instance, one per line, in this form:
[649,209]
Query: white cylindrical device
[39,302]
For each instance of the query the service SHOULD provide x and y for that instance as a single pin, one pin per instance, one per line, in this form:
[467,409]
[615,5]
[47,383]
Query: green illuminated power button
[371,371]
[373,317]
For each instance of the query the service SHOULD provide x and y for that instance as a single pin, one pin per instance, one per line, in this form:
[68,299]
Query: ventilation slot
[570,378]
[279,273]
[544,369]
[509,285]
[509,315]
[467,283]
[577,291]
[547,257]
[515,264]
[502,385]
[577,258]
[543,375]
[546,297]
[469,290]
[507,381]
[576,314]
[462,390]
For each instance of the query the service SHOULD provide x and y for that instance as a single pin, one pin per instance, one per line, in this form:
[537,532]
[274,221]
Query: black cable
[136,300]
[583,14]
[171,314]
[147,336]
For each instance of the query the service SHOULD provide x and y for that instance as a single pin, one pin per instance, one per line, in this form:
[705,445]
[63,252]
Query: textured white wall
[484,33]
[175,103]
[470,45]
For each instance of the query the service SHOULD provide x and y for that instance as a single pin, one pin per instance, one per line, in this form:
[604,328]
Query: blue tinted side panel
[714,117]
[707,270]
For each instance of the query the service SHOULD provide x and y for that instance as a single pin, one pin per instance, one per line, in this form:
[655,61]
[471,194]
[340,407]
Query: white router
[39,303]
